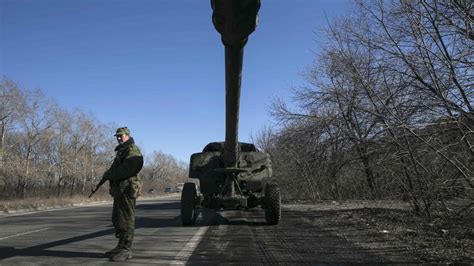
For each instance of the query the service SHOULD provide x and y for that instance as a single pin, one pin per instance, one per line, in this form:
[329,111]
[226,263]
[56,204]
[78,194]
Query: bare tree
[429,46]
[11,99]
[163,170]
[34,124]
[389,97]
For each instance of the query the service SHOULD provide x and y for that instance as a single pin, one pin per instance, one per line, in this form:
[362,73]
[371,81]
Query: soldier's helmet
[122,131]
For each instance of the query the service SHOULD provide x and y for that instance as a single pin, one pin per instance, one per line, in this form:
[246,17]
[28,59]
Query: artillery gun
[232,174]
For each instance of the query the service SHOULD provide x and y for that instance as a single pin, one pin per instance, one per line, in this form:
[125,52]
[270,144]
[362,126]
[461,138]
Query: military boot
[116,249]
[124,254]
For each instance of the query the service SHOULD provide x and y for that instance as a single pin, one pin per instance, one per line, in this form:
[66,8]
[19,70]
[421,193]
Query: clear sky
[157,66]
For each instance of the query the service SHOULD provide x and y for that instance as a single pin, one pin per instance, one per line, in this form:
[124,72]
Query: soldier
[125,188]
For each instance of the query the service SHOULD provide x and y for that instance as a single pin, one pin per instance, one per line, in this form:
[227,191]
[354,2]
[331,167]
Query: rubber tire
[188,204]
[272,204]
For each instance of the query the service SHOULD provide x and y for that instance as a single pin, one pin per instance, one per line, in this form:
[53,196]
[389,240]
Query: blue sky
[157,66]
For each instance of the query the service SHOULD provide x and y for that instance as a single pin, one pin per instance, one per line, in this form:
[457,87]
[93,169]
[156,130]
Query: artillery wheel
[188,204]
[272,204]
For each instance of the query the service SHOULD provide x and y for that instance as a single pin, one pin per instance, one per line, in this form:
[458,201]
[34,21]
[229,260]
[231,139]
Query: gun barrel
[101,182]
[235,20]
[233,65]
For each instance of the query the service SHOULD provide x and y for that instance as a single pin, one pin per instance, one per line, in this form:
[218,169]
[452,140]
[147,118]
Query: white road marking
[188,249]
[25,233]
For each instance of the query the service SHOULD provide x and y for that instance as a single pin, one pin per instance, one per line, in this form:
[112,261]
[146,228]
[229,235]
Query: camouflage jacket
[123,173]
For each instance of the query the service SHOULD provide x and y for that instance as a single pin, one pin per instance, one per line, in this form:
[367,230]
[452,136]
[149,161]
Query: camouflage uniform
[125,188]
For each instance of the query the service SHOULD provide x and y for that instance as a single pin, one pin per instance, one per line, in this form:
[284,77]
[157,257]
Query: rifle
[93,191]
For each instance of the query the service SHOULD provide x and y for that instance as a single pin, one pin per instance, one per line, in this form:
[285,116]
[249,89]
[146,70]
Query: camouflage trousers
[123,217]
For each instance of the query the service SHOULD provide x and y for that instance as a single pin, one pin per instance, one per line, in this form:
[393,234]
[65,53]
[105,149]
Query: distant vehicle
[152,190]
[168,189]
[179,187]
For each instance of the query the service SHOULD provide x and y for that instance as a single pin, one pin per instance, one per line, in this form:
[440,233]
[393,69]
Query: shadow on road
[302,237]
[40,250]
[242,218]
[149,222]
[146,218]
[161,206]
[242,222]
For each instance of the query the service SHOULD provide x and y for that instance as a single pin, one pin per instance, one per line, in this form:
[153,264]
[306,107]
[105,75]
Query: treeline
[387,112]
[162,170]
[47,151]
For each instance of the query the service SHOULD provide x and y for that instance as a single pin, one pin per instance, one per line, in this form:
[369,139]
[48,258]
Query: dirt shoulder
[8,207]
[391,226]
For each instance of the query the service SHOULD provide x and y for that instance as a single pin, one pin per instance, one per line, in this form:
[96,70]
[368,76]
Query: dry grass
[441,239]
[34,204]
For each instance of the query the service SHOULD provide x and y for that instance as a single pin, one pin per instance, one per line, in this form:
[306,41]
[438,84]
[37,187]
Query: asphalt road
[81,235]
